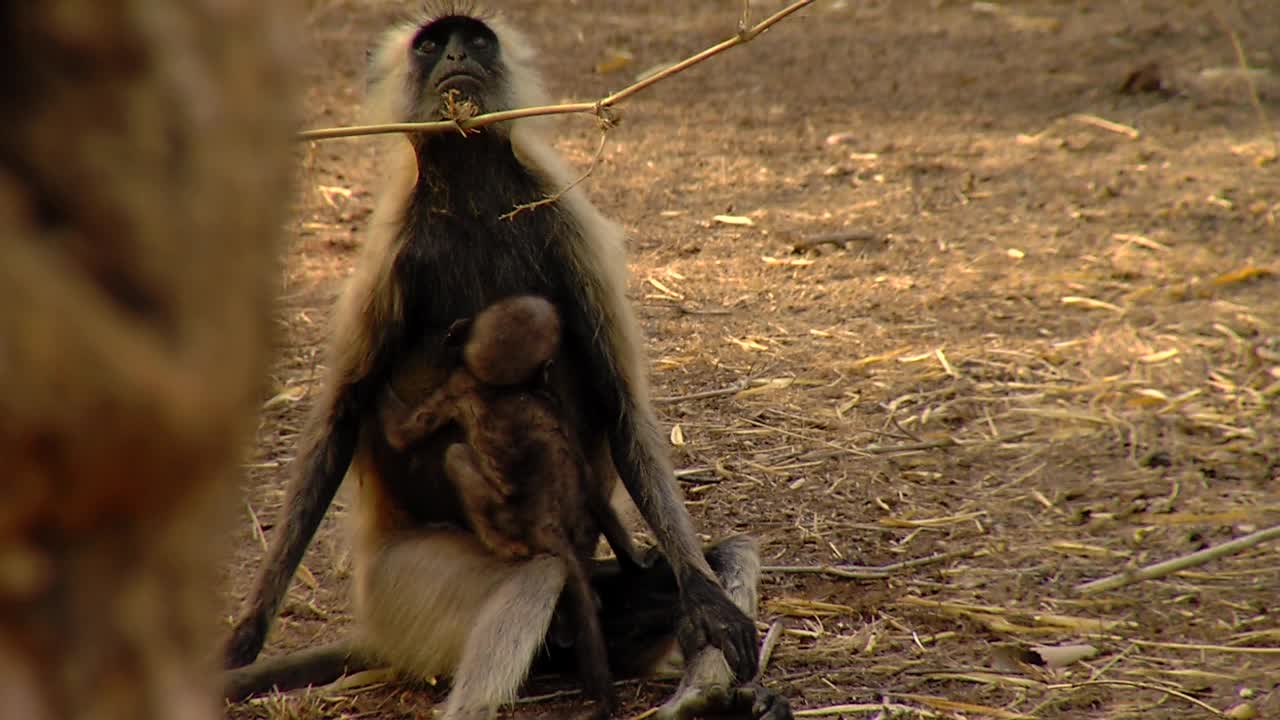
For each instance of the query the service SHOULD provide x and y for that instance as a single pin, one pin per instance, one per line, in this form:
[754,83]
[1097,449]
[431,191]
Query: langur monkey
[429,598]
[524,485]
[522,482]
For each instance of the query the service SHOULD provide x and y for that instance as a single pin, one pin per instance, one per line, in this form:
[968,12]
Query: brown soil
[1044,349]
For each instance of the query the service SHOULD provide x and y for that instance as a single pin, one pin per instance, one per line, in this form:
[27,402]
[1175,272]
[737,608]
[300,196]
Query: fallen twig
[1108,125]
[1242,62]
[770,642]
[852,572]
[930,559]
[258,532]
[880,709]
[695,311]
[1195,647]
[959,706]
[839,239]
[912,447]
[864,572]
[730,390]
[1169,567]
[1145,686]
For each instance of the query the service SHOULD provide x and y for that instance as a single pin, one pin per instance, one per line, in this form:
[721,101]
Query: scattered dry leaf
[1016,20]
[362,679]
[1243,711]
[793,262]
[804,607]
[747,344]
[308,578]
[1158,357]
[1244,274]
[614,59]
[285,397]
[1091,303]
[770,386]
[1141,241]
[1057,656]
[1013,658]
[963,707]
[677,436]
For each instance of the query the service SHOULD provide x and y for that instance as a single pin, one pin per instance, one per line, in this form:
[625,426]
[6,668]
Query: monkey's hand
[246,641]
[709,618]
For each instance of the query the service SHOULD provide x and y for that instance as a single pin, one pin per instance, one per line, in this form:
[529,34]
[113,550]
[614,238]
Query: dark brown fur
[524,484]
[511,340]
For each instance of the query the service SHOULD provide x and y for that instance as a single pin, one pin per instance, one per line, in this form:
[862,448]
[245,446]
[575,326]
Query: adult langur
[443,246]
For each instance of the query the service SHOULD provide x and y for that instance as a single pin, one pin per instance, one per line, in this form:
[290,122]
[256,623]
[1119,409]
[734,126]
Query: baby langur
[524,485]
[513,430]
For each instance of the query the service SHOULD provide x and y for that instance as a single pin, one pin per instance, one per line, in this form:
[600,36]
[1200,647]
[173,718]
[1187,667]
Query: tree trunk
[144,167]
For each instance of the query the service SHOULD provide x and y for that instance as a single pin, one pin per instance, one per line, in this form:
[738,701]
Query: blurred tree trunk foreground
[144,173]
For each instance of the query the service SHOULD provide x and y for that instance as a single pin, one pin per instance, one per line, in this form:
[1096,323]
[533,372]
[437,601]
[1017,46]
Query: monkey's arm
[322,462]
[708,616]
[404,424]
[357,363]
[615,532]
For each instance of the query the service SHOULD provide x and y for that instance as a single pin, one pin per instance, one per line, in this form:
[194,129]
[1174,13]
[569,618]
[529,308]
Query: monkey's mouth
[465,83]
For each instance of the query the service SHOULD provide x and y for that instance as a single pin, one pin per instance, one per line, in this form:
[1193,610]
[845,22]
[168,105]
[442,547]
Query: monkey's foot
[751,701]
[504,547]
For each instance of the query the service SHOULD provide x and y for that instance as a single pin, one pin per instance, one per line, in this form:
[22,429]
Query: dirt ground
[978,319]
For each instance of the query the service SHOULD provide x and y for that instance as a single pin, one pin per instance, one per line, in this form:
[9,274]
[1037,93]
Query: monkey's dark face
[457,56]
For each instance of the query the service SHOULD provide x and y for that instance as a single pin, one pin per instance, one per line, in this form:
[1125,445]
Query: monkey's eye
[426,46]
[479,42]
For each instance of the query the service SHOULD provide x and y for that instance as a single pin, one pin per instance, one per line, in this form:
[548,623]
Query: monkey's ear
[457,332]
[373,74]
[545,378]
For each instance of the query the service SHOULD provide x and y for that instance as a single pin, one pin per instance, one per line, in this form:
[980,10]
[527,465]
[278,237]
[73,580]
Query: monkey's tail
[593,656]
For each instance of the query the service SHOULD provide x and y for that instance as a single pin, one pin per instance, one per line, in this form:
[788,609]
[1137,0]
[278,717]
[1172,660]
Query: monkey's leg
[482,497]
[593,655]
[615,532]
[439,603]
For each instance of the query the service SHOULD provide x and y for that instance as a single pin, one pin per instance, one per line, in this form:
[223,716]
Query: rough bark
[144,165]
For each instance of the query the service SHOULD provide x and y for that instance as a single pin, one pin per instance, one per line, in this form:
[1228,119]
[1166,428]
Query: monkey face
[456,60]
